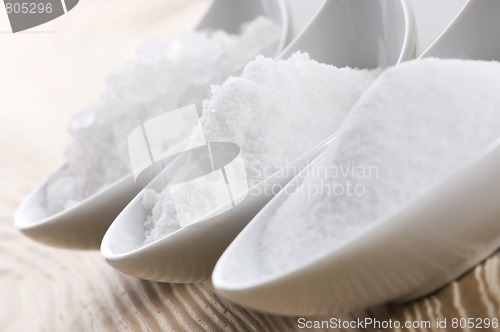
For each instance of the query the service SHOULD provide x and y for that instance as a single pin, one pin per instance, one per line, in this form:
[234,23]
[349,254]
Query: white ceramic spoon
[83,225]
[472,35]
[360,33]
[405,256]
[189,254]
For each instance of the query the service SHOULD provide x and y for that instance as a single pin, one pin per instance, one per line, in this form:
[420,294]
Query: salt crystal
[275,111]
[164,77]
[416,125]
[162,218]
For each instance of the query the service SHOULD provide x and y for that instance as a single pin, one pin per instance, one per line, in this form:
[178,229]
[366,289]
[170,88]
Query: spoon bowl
[83,226]
[190,253]
[404,256]
[358,33]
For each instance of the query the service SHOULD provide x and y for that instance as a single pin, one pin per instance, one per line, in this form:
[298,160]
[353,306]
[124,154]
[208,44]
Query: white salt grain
[417,124]
[163,217]
[275,111]
[164,77]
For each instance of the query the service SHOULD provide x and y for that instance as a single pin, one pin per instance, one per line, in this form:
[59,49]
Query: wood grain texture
[46,289]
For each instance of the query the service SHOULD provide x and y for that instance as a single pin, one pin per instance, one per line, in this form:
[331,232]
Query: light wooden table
[45,76]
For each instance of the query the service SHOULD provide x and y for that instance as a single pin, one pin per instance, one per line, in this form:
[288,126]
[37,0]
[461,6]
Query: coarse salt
[164,77]
[275,111]
[417,124]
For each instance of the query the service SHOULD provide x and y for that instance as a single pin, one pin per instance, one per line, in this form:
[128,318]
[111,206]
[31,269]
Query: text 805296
[28,8]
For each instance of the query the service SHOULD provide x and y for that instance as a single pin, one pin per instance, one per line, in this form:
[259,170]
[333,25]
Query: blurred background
[51,71]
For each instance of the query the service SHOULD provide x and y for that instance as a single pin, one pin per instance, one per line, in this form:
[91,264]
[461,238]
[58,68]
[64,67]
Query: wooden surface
[44,77]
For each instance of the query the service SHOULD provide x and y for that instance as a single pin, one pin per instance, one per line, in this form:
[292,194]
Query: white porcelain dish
[358,33]
[472,35]
[432,18]
[409,254]
[189,254]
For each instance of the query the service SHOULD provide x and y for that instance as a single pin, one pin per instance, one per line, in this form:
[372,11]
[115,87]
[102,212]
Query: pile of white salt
[275,111]
[164,77]
[417,124]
